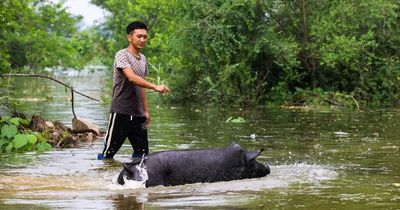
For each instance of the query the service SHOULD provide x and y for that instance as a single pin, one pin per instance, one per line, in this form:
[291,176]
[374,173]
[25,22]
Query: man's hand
[162,89]
[147,115]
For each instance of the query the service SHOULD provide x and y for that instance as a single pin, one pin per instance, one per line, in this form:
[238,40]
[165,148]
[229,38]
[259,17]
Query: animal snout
[267,170]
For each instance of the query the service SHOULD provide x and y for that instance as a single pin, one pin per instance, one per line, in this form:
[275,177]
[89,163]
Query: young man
[129,114]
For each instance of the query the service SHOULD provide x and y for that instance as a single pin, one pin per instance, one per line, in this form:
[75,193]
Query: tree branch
[50,78]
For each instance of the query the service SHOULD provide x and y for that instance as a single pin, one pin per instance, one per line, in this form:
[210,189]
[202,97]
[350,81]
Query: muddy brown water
[320,159]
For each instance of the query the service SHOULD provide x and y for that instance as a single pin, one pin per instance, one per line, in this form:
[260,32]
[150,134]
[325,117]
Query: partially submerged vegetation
[16,135]
[19,134]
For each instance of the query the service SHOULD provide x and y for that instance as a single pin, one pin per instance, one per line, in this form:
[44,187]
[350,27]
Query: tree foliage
[235,52]
[162,18]
[38,33]
[256,51]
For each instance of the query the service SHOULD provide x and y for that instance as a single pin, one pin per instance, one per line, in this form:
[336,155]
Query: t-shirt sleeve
[121,60]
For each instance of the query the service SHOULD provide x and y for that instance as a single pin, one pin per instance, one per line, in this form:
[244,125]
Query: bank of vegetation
[241,52]
[18,134]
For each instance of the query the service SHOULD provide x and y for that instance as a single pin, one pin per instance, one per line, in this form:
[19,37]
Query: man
[129,114]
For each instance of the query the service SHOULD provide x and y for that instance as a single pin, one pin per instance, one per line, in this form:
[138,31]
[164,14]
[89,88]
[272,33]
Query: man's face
[138,38]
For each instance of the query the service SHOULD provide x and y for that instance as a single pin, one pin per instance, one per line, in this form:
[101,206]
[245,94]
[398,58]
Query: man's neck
[134,51]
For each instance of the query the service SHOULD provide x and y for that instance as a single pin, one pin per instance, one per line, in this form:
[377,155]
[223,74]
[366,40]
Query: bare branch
[50,78]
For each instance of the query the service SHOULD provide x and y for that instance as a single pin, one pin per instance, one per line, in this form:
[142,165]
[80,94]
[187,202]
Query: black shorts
[123,126]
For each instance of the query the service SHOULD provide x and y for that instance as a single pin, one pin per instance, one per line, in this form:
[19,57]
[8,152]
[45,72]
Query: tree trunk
[307,56]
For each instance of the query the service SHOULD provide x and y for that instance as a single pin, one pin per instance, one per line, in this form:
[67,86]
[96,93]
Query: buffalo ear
[129,167]
[251,155]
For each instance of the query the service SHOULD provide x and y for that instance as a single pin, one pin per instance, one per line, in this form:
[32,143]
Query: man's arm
[135,79]
[145,107]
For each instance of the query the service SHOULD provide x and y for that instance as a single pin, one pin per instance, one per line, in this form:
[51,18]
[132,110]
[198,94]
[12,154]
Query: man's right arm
[135,79]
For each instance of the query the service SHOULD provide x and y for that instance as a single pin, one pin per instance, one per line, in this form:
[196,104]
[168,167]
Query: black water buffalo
[179,167]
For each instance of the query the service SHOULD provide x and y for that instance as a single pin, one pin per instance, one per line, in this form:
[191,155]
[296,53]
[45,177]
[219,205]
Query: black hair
[135,25]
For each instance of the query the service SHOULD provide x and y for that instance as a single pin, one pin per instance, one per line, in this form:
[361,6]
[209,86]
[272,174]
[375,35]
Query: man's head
[135,25]
[137,34]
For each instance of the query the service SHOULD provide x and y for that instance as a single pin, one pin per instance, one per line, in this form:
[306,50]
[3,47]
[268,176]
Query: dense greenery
[14,136]
[163,19]
[38,33]
[236,52]
[260,51]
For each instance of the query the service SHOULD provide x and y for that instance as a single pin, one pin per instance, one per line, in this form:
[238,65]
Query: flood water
[319,159]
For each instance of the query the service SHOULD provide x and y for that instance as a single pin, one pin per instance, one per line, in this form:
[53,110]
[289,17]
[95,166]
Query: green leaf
[4,118]
[238,120]
[20,140]
[3,142]
[15,121]
[43,146]
[41,136]
[24,121]
[9,147]
[9,130]
[31,138]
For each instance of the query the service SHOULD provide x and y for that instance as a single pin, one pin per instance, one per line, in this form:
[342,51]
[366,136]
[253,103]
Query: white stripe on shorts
[109,131]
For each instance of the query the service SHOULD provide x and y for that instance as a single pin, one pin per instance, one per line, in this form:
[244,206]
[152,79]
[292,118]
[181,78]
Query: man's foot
[100,157]
[136,156]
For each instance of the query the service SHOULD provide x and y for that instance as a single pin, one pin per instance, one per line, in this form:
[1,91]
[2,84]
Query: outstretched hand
[162,89]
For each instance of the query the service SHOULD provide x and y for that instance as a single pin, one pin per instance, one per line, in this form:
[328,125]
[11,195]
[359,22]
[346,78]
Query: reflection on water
[326,159]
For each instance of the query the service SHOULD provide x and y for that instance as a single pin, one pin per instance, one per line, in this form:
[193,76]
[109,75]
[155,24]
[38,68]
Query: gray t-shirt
[126,97]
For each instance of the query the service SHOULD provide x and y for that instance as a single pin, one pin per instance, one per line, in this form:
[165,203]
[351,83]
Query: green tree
[234,53]
[356,47]
[37,34]
[256,51]
[162,18]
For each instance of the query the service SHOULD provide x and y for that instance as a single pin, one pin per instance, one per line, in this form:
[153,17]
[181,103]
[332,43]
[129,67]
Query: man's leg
[138,137]
[115,136]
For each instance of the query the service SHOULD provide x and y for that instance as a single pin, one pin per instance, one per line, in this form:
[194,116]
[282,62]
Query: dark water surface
[325,159]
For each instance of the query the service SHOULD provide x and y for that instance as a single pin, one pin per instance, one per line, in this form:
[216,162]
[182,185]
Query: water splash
[303,173]
[230,193]
[129,184]
[132,184]
[281,176]
[142,171]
